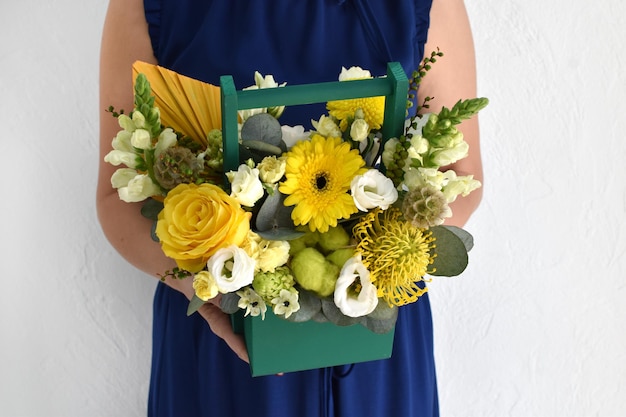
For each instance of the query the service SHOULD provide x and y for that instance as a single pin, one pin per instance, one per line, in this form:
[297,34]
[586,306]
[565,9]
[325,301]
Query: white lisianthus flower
[286,303]
[167,139]
[141,139]
[138,189]
[348,301]
[373,189]
[117,157]
[252,302]
[354,73]
[232,268]
[359,130]
[326,126]
[272,169]
[245,185]
[293,134]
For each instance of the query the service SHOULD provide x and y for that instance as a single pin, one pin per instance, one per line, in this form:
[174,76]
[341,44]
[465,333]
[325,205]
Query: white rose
[138,188]
[359,130]
[354,73]
[232,268]
[245,185]
[373,189]
[326,126]
[366,300]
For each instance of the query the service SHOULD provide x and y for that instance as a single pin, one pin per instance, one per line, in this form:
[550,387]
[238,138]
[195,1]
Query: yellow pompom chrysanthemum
[396,254]
[318,176]
[373,109]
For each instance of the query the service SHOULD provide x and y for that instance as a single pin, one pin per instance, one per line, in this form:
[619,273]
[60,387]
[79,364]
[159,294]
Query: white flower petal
[366,301]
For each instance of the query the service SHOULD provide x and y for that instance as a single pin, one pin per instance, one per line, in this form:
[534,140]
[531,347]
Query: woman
[194,372]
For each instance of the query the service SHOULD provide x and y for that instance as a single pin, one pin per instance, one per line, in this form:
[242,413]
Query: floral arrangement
[333,224]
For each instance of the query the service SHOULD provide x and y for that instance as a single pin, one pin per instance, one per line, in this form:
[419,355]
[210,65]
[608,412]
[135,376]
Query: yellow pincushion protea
[373,109]
[396,254]
[318,176]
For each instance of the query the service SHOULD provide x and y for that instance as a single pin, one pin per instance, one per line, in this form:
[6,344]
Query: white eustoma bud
[326,126]
[354,73]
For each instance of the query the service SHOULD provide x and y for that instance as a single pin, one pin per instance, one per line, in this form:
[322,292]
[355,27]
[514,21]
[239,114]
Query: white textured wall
[535,327]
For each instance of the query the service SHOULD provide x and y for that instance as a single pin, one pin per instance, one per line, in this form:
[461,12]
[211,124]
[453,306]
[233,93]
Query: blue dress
[194,373]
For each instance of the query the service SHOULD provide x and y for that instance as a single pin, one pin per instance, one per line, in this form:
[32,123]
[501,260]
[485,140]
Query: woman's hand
[219,322]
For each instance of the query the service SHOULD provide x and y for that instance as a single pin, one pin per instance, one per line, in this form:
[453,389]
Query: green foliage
[450,252]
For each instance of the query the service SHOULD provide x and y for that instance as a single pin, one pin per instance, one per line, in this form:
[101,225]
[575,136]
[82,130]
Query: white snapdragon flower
[421,177]
[389,151]
[373,189]
[419,146]
[121,142]
[138,189]
[272,169]
[117,157]
[167,139]
[359,130]
[245,185]
[350,303]
[354,73]
[260,82]
[232,268]
[293,134]
[326,126]
[458,185]
[141,139]
[450,155]
[127,123]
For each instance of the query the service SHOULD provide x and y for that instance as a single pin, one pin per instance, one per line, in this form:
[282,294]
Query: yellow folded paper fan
[189,106]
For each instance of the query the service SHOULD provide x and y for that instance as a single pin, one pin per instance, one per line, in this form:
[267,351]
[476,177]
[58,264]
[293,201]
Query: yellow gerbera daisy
[373,108]
[396,254]
[318,176]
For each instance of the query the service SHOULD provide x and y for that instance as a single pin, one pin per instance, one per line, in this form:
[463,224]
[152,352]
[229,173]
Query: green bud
[314,273]
[340,256]
[335,238]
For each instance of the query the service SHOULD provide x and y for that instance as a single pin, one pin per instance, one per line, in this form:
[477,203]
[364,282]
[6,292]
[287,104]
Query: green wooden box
[276,345]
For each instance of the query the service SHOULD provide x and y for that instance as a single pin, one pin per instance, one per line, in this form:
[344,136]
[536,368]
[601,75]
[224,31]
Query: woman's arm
[125,40]
[451,78]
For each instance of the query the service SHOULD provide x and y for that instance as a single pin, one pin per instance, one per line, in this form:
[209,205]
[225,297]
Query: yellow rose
[196,221]
[205,286]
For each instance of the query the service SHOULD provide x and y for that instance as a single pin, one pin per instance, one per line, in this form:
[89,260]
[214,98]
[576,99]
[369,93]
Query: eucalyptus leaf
[257,145]
[229,303]
[262,127]
[383,311]
[465,236]
[273,214]
[153,234]
[335,316]
[280,233]
[194,304]
[451,255]
[151,209]
[380,326]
